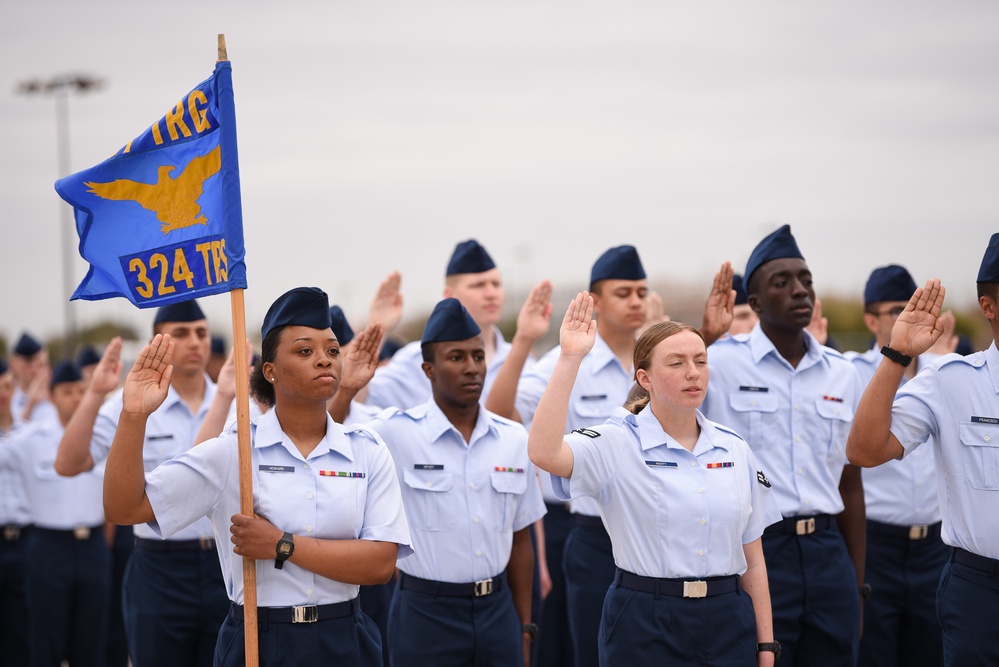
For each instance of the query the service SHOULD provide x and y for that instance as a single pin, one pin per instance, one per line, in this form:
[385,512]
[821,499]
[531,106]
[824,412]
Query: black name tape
[265,468]
[428,466]
[757,389]
[985,420]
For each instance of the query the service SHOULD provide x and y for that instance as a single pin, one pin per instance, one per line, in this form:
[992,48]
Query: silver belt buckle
[11,533]
[206,543]
[805,526]
[918,532]
[484,587]
[308,613]
[81,533]
[695,589]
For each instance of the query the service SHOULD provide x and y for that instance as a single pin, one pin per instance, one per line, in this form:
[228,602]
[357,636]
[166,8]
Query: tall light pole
[60,87]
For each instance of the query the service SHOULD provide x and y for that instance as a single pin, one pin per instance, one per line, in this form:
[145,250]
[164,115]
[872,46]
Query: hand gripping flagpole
[243,439]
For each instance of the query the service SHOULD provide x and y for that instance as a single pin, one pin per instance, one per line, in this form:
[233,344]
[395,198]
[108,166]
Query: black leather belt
[680,588]
[79,533]
[475,589]
[974,561]
[916,532]
[174,546]
[14,533]
[801,525]
[307,613]
[587,521]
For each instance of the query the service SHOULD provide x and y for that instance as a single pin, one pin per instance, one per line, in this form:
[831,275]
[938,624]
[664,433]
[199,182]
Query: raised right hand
[107,374]
[147,384]
[919,326]
[579,329]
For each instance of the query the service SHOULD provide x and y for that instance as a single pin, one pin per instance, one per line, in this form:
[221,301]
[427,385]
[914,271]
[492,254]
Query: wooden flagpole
[245,464]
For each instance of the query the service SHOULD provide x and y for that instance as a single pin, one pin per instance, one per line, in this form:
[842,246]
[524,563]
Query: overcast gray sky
[373,136]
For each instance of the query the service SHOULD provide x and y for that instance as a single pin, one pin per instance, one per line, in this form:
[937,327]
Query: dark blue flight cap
[65,371]
[620,263]
[87,356]
[27,346]
[778,245]
[218,345]
[741,298]
[389,348]
[302,306]
[989,271]
[469,257]
[341,327]
[889,283]
[449,321]
[3,367]
[182,311]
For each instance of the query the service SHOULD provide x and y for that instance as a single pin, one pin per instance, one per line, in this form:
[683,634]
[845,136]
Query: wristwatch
[773,647]
[530,629]
[865,591]
[285,548]
[902,359]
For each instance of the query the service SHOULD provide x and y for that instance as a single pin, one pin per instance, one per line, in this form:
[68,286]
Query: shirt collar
[173,397]
[761,345]
[992,360]
[267,432]
[601,355]
[652,435]
[438,424]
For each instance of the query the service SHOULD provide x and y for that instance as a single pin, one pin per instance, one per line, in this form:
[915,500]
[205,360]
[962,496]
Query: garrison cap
[449,321]
[620,263]
[989,271]
[302,306]
[389,348]
[469,257]
[889,283]
[777,245]
[739,286]
[65,371]
[87,356]
[182,311]
[27,346]
[218,345]
[341,327]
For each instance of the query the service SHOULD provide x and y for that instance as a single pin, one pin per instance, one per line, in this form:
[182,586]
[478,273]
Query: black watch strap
[530,629]
[896,356]
[284,549]
[773,647]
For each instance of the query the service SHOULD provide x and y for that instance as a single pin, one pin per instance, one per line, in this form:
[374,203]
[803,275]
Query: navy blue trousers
[813,592]
[14,647]
[351,641]
[174,604]
[589,572]
[68,584]
[639,629]
[375,600]
[448,631]
[121,551]
[900,618]
[553,640]
[968,607]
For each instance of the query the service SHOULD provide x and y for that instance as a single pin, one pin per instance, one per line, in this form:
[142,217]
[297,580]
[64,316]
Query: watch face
[284,548]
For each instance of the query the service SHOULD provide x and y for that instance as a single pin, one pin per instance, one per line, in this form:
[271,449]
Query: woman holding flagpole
[328,513]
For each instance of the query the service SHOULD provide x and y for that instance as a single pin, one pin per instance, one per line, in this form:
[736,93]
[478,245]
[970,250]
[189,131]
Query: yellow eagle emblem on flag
[173,200]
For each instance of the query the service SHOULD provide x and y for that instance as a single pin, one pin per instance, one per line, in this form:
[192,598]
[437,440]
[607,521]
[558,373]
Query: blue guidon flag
[160,221]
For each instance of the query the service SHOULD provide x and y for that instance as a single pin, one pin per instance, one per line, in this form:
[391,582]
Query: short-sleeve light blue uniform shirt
[671,512]
[345,489]
[464,500]
[954,406]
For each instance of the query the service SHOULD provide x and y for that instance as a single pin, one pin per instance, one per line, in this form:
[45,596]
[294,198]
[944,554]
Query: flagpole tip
[223,56]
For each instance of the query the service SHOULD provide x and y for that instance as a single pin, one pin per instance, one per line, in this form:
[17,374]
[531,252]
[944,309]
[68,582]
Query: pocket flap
[509,482]
[980,435]
[753,401]
[428,480]
[833,410]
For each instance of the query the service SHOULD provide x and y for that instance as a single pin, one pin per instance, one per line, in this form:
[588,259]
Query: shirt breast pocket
[594,409]
[753,410]
[510,487]
[834,425]
[429,493]
[981,455]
